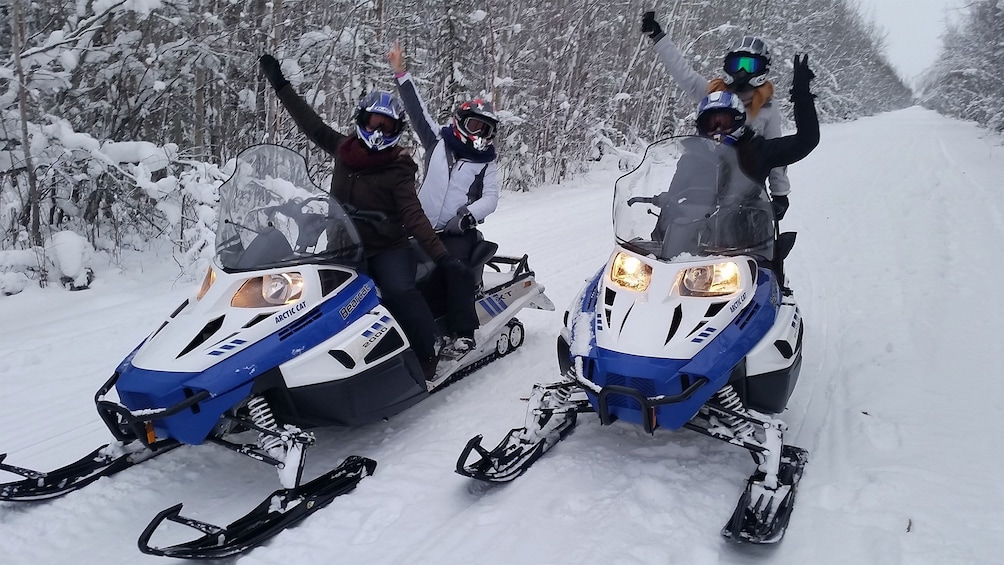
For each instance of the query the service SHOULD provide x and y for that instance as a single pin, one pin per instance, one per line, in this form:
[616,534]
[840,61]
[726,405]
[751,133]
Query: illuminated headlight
[282,288]
[270,290]
[206,283]
[630,272]
[710,280]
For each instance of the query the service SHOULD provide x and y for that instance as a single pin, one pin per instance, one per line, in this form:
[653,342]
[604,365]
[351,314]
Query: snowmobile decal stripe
[498,303]
[488,307]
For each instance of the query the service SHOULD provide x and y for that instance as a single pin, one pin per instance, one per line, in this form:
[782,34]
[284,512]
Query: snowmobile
[286,333]
[690,324]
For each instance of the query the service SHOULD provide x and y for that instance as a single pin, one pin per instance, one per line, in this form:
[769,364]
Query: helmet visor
[749,63]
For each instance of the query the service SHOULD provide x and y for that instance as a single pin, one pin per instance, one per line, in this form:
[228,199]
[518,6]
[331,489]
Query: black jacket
[759,155]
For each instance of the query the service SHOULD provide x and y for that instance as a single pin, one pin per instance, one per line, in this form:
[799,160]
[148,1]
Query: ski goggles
[384,123]
[750,63]
[721,121]
[478,127]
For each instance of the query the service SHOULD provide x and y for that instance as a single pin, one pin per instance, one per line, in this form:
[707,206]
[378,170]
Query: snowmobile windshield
[271,214]
[690,197]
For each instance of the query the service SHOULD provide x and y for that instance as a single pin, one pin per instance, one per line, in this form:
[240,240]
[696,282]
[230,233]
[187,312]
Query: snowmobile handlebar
[640,200]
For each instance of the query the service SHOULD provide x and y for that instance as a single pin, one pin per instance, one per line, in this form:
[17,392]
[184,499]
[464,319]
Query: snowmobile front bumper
[648,403]
[127,426]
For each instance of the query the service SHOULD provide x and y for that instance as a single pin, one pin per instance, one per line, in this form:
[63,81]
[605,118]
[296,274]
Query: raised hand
[270,68]
[802,75]
[396,57]
[650,26]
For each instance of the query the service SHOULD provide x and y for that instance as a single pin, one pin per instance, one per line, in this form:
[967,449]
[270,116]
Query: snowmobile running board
[280,510]
[102,462]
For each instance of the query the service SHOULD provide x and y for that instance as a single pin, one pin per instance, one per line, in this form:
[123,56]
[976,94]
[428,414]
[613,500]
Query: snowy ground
[900,402]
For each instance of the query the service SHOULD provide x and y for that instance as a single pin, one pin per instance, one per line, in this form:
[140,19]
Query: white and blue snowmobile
[688,325]
[287,332]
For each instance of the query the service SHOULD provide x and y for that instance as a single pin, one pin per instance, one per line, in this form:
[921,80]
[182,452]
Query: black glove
[271,70]
[780,206]
[801,76]
[650,26]
[451,263]
[460,223]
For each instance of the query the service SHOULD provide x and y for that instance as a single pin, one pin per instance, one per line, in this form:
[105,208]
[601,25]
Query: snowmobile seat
[482,253]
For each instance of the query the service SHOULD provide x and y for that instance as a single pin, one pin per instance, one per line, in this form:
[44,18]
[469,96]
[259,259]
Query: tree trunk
[33,197]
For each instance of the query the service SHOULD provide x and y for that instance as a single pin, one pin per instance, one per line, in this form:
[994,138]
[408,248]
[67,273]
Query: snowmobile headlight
[630,272]
[282,288]
[206,283]
[710,280]
[270,290]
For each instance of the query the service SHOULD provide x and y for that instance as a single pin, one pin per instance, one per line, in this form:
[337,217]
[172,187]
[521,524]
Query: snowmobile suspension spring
[730,401]
[261,415]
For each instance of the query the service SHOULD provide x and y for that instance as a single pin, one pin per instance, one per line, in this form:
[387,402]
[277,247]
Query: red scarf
[356,156]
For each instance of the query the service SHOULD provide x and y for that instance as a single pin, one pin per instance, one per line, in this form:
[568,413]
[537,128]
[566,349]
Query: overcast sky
[913,30]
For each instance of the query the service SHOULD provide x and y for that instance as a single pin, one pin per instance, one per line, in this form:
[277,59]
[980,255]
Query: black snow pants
[394,273]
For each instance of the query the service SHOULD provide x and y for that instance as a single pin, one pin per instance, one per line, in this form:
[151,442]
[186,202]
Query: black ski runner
[762,514]
[280,510]
[551,415]
[102,462]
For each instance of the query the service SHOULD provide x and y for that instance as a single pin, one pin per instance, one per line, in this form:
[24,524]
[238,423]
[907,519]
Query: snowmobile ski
[280,510]
[102,462]
[551,416]
[762,514]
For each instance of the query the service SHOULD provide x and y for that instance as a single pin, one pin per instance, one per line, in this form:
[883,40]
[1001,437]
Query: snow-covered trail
[896,271]
[899,225]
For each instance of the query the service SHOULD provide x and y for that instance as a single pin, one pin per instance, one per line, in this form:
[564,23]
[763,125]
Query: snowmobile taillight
[206,283]
[630,272]
[719,279]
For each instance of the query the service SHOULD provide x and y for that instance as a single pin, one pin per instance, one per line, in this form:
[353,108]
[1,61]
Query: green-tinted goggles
[750,64]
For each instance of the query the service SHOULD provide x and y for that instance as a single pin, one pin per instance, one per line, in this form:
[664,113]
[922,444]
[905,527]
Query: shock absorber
[730,400]
[261,415]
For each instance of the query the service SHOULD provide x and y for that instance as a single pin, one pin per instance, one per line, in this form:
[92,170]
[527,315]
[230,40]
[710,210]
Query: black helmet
[475,123]
[747,62]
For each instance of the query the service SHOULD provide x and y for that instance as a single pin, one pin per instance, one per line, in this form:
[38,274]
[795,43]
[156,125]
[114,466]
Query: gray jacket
[767,122]
[448,185]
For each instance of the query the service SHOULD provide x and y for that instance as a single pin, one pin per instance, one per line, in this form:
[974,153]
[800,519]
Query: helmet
[475,123]
[378,136]
[721,116]
[747,63]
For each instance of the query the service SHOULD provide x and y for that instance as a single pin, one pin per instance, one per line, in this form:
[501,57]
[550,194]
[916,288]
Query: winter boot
[458,347]
[429,367]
